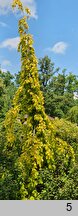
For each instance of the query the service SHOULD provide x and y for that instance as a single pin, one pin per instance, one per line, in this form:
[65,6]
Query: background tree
[2,92]
[46,71]
[17,79]
[59,95]
[71,83]
[7,91]
[73,114]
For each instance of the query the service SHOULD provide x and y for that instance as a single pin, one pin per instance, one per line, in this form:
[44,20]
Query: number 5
[69,206]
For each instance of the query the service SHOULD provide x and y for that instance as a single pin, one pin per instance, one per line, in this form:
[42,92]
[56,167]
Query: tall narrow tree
[28,110]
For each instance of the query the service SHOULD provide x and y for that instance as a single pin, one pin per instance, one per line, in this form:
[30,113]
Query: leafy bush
[59,187]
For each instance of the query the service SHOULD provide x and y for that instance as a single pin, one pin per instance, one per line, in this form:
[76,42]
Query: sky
[54,26]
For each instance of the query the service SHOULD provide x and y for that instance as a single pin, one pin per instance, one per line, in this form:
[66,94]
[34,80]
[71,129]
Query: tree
[73,114]
[7,78]
[59,95]
[17,79]
[54,96]
[7,91]
[71,83]
[68,132]
[46,71]
[58,83]
[2,93]
[26,123]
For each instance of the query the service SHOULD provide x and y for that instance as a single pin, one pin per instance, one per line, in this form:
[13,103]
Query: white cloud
[5,6]
[3,24]
[6,62]
[10,43]
[59,48]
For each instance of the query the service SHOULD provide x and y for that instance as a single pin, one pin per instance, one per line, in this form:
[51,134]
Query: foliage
[72,83]
[7,91]
[35,160]
[59,95]
[27,125]
[59,187]
[73,114]
[46,71]
[68,132]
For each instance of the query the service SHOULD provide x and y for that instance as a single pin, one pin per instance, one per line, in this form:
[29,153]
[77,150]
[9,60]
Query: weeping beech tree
[30,141]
